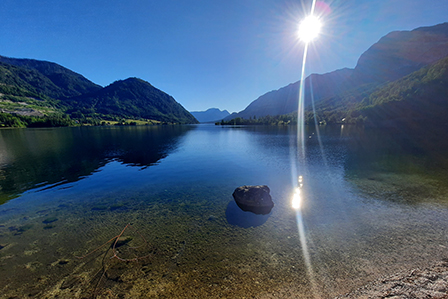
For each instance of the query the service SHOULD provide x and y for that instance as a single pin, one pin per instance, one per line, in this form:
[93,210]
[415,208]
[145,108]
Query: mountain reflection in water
[46,158]
[400,164]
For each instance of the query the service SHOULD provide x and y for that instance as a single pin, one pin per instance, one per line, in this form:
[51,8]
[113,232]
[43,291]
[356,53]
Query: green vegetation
[19,121]
[63,120]
[46,78]
[421,96]
[133,122]
[38,93]
[327,117]
[278,120]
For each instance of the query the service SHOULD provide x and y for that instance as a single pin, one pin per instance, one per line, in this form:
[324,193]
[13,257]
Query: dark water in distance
[374,202]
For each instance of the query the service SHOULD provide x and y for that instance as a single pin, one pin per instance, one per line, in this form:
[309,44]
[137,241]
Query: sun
[309,28]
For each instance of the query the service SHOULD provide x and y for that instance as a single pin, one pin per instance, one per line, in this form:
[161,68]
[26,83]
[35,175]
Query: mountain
[34,88]
[397,54]
[131,98]
[285,100]
[419,97]
[416,102]
[26,92]
[400,53]
[50,78]
[210,115]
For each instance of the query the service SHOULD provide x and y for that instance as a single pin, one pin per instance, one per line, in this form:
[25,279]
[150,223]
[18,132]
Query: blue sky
[205,53]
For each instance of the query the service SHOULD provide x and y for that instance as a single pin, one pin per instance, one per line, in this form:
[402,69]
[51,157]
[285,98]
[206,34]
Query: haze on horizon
[221,54]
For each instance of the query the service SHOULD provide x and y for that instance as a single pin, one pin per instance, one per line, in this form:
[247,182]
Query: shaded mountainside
[394,56]
[419,97]
[416,99]
[210,115]
[400,53]
[285,100]
[391,59]
[38,91]
[130,98]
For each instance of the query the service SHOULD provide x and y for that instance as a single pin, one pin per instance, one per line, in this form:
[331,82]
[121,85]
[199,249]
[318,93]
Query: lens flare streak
[301,110]
[300,165]
[324,157]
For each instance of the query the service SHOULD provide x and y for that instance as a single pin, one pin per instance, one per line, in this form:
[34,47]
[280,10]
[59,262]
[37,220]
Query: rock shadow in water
[236,216]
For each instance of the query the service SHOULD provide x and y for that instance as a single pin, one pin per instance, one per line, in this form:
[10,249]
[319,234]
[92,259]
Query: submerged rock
[255,199]
[50,220]
[122,241]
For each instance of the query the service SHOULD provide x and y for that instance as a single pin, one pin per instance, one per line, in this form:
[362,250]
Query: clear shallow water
[374,204]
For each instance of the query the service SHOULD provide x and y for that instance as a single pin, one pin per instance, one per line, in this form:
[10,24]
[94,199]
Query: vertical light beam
[300,110]
[301,167]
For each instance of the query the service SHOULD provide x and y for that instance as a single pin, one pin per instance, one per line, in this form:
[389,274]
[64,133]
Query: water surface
[374,202]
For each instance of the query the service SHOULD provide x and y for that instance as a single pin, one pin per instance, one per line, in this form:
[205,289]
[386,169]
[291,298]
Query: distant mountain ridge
[210,115]
[31,87]
[394,56]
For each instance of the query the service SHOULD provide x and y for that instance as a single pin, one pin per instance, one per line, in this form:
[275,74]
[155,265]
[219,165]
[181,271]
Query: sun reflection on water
[296,201]
[297,205]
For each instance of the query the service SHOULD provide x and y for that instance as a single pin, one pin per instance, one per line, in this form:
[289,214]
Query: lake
[373,202]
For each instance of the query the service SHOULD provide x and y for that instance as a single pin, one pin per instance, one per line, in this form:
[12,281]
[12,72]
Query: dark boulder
[255,199]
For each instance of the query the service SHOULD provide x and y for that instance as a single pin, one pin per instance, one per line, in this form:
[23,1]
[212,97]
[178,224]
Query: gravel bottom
[431,282]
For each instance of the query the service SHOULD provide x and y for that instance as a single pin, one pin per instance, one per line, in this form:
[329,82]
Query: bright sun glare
[309,28]
[296,202]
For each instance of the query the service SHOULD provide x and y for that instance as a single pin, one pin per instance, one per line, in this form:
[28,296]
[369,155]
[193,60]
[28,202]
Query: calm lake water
[374,202]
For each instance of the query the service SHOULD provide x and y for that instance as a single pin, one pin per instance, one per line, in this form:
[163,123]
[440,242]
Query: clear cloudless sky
[205,53]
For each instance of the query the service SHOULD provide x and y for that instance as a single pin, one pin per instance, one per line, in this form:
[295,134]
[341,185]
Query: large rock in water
[255,199]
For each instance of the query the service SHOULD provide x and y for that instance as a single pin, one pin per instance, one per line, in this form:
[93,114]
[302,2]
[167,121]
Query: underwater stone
[50,220]
[121,241]
[255,199]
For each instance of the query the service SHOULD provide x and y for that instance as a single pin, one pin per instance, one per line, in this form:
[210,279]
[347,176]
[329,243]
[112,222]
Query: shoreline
[430,282]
